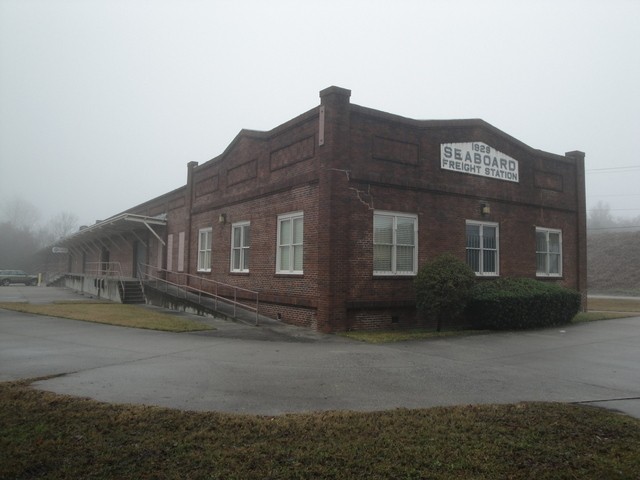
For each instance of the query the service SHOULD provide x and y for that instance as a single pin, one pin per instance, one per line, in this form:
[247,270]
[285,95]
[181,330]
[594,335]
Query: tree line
[23,235]
[601,220]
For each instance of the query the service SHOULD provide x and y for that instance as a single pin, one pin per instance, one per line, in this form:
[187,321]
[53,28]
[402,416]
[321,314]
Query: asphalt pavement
[274,369]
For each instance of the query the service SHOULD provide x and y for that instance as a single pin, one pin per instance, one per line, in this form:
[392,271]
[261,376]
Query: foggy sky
[104,102]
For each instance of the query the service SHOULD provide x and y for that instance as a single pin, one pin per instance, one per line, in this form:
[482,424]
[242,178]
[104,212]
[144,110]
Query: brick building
[330,215]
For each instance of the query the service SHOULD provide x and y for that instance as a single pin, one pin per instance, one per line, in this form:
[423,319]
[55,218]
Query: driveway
[279,369]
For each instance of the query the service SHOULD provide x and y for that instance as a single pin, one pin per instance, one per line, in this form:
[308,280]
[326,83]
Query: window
[170,252]
[395,239]
[181,252]
[204,250]
[240,241]
[548,252]
[289,254]
[160,253]
[482,248]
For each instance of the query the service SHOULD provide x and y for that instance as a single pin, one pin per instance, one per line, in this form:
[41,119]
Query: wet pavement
[276,368]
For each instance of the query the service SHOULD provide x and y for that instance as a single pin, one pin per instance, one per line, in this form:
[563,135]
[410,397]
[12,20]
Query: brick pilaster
[333,214]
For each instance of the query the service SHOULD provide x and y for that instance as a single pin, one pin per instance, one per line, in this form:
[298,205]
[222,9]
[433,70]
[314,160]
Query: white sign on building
[477,158]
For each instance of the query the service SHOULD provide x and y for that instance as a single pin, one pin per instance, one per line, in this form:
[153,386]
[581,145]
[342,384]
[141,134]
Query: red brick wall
[394,165]
[369,160]
[260,176]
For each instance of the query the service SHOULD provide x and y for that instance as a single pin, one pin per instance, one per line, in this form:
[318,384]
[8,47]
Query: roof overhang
[119,225]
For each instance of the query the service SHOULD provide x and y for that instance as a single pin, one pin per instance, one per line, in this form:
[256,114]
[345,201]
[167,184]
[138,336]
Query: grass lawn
[44,435]
[614,304]
[113,314]
[388,336]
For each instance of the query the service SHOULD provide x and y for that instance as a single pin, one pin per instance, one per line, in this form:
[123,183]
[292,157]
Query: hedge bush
[519,303]
[442,288]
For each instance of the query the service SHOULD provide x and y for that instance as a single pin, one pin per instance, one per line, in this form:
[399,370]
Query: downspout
[188,201]
[581,225]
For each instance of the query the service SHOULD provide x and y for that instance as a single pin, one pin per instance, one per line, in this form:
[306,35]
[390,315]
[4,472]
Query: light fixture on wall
[485,209]
[222,218]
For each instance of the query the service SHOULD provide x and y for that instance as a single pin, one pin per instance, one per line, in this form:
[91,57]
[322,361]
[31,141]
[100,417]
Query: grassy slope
[614,262]
[52,436]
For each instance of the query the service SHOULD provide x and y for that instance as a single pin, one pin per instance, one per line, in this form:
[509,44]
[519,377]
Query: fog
[104,102]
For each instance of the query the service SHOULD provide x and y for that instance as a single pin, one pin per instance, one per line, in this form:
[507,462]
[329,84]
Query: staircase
[131,292]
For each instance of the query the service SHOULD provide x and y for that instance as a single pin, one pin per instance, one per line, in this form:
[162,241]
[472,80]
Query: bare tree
[600,217]
[62,225]
[17,246]
[21,214]
[21,238]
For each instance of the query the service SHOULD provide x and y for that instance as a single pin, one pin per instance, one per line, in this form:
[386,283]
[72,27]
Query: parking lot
[274,370]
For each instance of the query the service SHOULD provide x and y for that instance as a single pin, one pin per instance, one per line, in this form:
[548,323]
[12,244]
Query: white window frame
[547,253]
[482,272]
[289,245]
[243,249]
[394,244]
[204,251]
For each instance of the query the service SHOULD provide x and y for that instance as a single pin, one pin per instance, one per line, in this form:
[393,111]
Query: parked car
[7,277]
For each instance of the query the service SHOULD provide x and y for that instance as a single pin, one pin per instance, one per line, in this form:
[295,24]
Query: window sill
[393,276]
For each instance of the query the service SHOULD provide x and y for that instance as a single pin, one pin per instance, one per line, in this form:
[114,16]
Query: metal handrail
[213,292]
[107,269]
[104,269]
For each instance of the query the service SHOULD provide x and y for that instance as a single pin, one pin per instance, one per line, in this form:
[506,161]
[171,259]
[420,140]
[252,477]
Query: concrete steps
[131,292]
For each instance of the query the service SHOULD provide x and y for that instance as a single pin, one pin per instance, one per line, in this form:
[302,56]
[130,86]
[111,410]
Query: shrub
[519,303]
[442,288]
